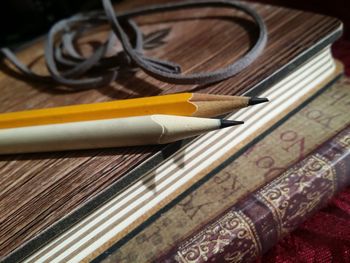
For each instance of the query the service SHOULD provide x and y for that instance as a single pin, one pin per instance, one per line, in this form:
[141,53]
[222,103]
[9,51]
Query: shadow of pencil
[162,153]
[113,152]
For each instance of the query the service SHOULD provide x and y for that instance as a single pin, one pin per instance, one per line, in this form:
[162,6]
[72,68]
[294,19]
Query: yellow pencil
[182,104]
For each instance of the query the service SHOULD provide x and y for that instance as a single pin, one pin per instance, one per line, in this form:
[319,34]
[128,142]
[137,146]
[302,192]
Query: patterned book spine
[256,223]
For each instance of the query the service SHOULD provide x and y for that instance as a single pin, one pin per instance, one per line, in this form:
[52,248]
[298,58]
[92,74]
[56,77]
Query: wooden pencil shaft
[217,108]
[181,104]
[131,131]
[196,97]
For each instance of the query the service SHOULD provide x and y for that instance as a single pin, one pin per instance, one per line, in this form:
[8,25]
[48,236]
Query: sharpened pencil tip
[229,123]
[254,101]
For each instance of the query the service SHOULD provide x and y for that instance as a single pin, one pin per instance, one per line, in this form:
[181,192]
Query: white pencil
[131,131]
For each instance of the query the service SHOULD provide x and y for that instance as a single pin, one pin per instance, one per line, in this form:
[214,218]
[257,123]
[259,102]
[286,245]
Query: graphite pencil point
[254,100]
[229,123]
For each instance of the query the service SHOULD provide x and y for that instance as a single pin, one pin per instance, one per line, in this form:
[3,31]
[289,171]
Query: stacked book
[227,195]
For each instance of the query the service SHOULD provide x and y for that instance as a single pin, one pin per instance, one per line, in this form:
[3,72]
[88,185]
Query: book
[254,225]
[243,178]
[58,190]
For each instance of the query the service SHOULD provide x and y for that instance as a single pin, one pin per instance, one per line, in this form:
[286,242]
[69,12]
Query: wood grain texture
[38,190]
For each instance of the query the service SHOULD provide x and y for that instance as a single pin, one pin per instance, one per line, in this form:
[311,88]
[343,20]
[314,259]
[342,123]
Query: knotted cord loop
[68,67]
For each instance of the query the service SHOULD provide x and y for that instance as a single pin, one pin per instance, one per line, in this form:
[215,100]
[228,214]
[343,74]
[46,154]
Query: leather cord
[99,70]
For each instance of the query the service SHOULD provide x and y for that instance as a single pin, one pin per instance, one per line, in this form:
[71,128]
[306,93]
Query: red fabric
[325,237]
[341,50]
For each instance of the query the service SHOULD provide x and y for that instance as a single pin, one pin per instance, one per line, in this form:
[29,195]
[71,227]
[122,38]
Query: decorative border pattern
[266,215]
[344,141]
[233,230]
[299,191]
